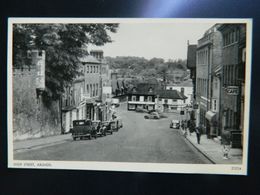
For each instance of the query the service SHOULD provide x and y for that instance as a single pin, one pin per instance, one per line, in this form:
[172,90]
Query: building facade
[186,88]
[191,65]
[82,99]
[170,101]
[142,96]
[233,79]
[209,55]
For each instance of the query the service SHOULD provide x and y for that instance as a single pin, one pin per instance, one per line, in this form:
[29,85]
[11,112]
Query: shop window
[131,107]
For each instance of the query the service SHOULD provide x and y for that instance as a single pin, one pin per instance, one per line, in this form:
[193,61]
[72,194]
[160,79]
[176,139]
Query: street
[140,140]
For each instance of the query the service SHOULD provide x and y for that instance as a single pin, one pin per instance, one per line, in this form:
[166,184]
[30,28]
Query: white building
[186,88]
[170,101]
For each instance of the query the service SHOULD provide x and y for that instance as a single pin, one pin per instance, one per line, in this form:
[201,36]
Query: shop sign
[232,90]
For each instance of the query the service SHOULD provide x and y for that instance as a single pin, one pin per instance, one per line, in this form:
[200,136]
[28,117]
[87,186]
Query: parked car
[83,129]
[175,124]
[141,110]
[114,125]
[98,128]
[119,123]
[106,126]
[152,115]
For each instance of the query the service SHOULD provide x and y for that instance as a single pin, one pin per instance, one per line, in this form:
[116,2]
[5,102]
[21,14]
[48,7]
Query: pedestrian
[182,125]
[198,133]
[225,140]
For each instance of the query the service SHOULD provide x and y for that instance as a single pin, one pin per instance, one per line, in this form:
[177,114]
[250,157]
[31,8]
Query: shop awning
[210,115]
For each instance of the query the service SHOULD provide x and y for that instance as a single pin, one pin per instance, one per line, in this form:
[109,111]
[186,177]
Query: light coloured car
[152,115]
[175,124]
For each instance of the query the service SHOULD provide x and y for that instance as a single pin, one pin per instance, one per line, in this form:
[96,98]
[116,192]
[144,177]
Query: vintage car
[114,125]
[152,115]
[98,128]
[83,129]
[106,126]
[175,124]
[119,123]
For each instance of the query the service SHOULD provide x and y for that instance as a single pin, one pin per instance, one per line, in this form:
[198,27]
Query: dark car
[98,128]
[83,129]
[106,126]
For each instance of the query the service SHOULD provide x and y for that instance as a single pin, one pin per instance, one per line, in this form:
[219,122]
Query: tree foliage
[64,45]
[155,67]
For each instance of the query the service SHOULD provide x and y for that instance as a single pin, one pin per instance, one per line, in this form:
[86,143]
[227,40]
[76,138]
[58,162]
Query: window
[87,69]
[96,89]
[166,101]
[150,89]
[182,90]
[131,106]
[87,88]
[214,105]
[134,98]
[231,37]
[150,99]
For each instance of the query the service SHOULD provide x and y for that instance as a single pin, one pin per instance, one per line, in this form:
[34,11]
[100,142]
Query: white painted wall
[188,91]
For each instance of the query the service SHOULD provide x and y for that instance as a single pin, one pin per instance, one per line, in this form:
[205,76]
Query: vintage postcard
[143,95]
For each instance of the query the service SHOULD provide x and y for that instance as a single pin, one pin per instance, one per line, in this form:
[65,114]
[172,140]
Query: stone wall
[31,118]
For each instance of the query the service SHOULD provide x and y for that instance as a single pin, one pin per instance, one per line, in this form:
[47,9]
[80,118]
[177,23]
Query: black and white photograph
[143,95]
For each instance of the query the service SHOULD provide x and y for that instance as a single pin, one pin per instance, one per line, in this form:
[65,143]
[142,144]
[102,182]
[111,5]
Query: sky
[149,40]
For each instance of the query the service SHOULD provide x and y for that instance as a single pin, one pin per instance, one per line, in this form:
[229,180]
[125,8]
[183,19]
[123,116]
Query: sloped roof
[89,59]
[171,94]
[144,88]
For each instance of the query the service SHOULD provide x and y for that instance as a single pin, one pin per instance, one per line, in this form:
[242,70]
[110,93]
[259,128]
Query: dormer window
[150,89]
[134,89]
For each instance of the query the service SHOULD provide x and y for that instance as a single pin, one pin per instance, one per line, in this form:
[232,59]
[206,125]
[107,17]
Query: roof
[187,83]
[171,94]
[89,59]
[191,56]
[144,88]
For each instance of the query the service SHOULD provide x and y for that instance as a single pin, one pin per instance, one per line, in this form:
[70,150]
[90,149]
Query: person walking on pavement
[225,139]
[198,133]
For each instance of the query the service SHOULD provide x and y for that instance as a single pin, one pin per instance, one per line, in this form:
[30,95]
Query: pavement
[212,149]
[23,145]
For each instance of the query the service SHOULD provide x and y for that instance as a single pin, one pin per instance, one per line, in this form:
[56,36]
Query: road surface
[140,140]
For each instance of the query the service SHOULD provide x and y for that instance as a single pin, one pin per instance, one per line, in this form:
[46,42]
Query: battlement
[24,70]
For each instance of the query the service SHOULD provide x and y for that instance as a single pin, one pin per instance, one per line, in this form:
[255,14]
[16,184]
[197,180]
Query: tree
[64,45]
